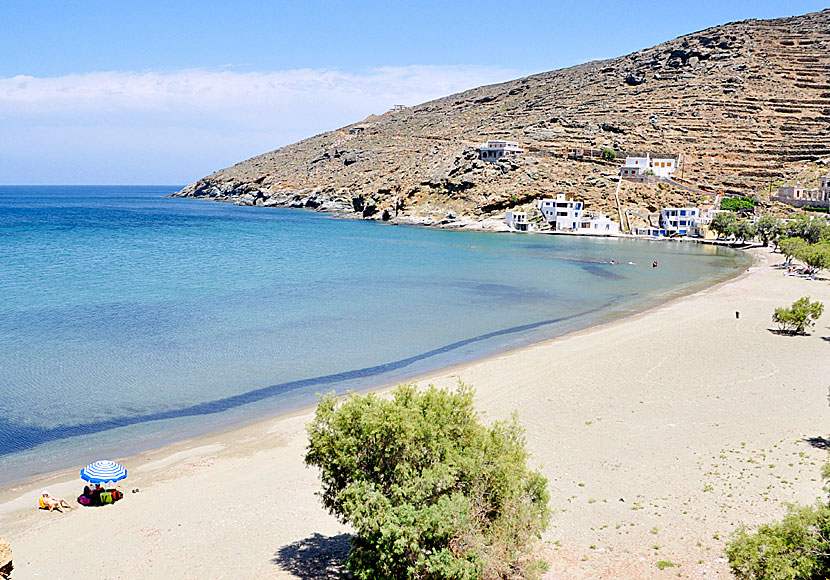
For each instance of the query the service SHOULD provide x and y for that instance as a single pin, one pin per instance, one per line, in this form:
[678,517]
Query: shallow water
[129,319]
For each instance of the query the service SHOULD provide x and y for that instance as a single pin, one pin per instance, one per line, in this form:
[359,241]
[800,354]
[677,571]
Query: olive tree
[768,228]
[430,491]
[723,223]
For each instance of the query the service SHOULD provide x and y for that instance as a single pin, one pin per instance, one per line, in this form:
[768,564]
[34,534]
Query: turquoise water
[129,319]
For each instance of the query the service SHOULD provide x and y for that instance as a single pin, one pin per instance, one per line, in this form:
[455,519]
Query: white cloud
[192,122]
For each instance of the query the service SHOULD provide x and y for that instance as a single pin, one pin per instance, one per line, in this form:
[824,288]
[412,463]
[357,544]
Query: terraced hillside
[746,104]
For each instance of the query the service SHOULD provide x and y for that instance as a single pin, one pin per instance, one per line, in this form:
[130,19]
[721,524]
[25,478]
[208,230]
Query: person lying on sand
[47,502]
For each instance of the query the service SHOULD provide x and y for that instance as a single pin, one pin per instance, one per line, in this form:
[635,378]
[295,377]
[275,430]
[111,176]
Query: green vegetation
[663,564]
[811,229]
[723,223]
[800,316]
[816,256]
[743,230]
[768,228]
[797,548]
[430,491]
[648,172]
[791,247]
[737,203]
[816,209]
[609,154]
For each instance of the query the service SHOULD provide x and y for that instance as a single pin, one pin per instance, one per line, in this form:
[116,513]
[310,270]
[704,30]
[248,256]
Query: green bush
[430,491]
[797,548]
[609,154]
[737,203]
[800,316]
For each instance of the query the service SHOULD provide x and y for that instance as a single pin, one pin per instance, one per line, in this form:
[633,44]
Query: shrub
[609,154]
[798,547]
[801,315]
[431,492]
[737,203]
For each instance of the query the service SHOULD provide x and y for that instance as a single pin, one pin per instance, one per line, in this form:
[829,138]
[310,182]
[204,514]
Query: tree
[743,230]
[723,223]
[809,228]
[791,247]
[609,154]
[800,316]
[431,492]
[768,228]
[817,256]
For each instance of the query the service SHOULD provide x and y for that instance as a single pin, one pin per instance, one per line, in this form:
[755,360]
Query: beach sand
[659,435]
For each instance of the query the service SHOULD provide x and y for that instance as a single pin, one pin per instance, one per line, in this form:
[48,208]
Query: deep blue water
[129,319]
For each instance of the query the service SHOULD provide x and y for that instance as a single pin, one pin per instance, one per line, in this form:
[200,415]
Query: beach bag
[116,495]
[106,497]
[84,500]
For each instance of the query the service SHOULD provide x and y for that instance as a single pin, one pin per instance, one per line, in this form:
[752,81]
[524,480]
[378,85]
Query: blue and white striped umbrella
[103,471]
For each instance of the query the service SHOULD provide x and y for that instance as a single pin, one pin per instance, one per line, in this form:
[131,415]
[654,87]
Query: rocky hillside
[747,104]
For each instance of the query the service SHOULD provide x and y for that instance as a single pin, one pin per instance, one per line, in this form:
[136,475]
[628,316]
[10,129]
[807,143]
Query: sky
[166,92]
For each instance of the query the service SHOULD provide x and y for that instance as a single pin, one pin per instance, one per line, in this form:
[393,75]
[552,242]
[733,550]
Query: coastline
[287,513]
[192,434]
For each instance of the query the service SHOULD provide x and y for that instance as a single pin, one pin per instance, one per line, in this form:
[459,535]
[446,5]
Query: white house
[664,165]
[650,232]
[660,165]
[517,220]
[495,150]
[567,215]
[597,223]
[561,213]
[679,220]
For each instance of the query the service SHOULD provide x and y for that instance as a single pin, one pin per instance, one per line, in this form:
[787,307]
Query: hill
[746,104]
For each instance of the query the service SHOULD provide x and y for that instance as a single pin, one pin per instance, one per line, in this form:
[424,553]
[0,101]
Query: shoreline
[41,479]
[644,463]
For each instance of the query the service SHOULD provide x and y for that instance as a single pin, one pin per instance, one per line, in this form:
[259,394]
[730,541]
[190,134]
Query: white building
[597,223]
[661,165]
[650,232]
[800,196]
[566,215]
[561,213]
[517,220]
[679,220]
[495,150]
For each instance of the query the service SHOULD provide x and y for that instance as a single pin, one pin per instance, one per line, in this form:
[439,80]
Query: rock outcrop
[747,104]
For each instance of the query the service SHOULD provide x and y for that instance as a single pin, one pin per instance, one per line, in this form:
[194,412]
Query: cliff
[747,104]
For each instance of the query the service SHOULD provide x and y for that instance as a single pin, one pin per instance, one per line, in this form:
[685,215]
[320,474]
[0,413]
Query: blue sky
[166,92]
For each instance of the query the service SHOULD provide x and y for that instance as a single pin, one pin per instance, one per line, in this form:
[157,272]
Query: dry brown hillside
[747,104]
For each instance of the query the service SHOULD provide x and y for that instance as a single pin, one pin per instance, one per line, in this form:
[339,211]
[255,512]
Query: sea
[129,320]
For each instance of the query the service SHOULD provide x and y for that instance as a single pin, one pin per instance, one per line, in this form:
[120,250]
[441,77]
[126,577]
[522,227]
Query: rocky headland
[746,104]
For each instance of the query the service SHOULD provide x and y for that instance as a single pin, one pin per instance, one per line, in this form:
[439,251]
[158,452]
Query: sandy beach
[659,434]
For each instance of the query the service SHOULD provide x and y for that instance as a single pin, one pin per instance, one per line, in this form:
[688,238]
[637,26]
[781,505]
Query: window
[682,212]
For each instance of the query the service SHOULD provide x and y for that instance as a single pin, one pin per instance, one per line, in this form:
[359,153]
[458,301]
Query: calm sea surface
[128,320]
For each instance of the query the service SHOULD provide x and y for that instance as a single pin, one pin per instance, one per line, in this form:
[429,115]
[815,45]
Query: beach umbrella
[103,471]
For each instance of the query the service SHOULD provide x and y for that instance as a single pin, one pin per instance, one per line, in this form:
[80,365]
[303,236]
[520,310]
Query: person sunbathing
[47,502]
